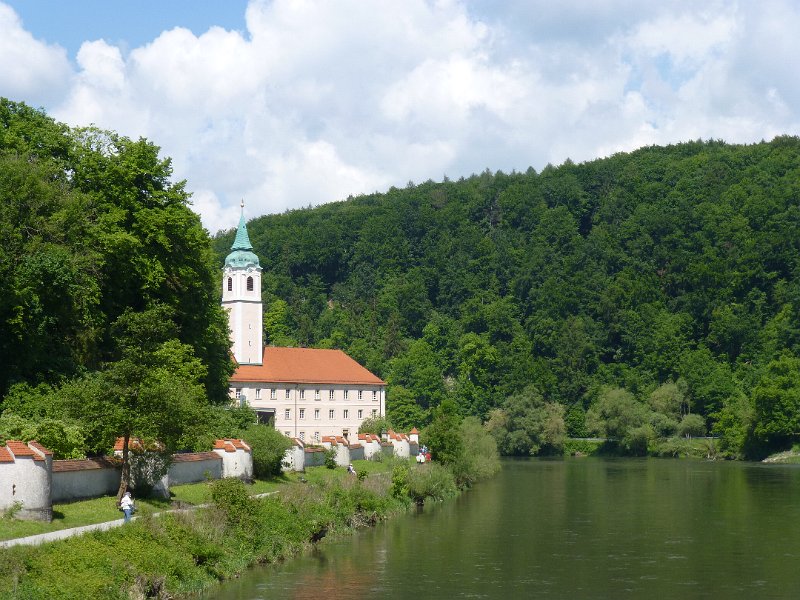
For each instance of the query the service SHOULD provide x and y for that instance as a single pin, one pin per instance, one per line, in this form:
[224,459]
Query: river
[573,528]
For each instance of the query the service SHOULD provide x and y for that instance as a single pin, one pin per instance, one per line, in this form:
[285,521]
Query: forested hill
[668,264]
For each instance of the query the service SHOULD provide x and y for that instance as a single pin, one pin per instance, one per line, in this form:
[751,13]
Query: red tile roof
[195,457]
[306,365]
[89,464]
[14,449]
[5,455]
[40,448]
[231,445]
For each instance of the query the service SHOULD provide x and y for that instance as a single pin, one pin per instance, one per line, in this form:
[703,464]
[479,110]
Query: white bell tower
[241,296]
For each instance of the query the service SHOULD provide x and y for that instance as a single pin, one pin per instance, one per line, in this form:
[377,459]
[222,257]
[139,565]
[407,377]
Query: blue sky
[287,104]
[125,23]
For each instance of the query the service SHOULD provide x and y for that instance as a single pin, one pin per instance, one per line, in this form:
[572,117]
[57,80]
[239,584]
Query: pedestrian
[126,506]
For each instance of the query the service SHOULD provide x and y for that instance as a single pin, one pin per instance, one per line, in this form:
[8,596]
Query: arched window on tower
[249,284]
[230,284]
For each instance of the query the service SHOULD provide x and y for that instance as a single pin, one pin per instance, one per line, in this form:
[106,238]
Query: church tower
[241,296]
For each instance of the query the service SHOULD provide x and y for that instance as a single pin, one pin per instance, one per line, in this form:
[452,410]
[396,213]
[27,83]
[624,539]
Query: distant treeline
[668,277]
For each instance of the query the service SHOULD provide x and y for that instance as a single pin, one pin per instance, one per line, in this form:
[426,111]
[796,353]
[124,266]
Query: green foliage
[375,425]
[526,425]
[777,402]
[443,436]
[92,226]
[673,266]
[574,447]
[692,425]
[431,480]
[330,458]
[481,456]
[618,416]
[230,497]
[269,447]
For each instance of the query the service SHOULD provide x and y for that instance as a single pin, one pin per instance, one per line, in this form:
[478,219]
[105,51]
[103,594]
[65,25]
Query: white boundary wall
[26,479]
[32,481]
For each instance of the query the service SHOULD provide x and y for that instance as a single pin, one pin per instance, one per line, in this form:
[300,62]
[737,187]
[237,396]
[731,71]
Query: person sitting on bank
[126,505]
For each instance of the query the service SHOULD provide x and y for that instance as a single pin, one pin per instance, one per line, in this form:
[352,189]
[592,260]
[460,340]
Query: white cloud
[30,70]
[319,100]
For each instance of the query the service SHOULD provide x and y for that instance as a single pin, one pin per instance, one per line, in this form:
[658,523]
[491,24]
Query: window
[287,393]
[330,414]
[302,413]
[302,435]
[302,394]
[345,394]
[249,284]
[316,413]
[238,392]
[360,414]
[287,433]
[330,395]
[360,394]
[230,284]
[374,395]
[316,394]
[258,393]
[287,414]
[374,412]
[346,414]
[316,436]
[273,394]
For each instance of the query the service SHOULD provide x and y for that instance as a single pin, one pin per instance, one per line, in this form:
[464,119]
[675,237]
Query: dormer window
[249,284]
[230,284]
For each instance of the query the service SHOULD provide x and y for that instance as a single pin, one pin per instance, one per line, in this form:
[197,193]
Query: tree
[443,435]
[777,402]
[526,425]
[618,416]
[152,391]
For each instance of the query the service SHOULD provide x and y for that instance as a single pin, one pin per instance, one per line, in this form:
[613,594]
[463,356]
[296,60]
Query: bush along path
[184,552]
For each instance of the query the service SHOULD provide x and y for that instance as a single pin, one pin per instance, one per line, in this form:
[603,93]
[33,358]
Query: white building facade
[307,393]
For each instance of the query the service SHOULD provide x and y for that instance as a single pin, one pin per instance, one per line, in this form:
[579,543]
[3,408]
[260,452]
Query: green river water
[573,528]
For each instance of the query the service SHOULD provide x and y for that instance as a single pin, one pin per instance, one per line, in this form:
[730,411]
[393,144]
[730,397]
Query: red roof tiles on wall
[306,365]
[5,455]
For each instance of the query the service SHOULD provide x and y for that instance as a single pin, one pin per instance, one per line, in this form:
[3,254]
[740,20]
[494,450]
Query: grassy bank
[100,510]
[178,554]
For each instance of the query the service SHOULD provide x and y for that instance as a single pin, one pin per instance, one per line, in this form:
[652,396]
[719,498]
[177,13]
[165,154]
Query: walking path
[62,534]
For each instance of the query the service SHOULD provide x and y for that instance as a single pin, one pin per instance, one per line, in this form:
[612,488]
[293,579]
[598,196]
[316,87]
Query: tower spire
[242,241]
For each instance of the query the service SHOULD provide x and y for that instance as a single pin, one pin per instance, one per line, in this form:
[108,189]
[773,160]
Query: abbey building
[307,393]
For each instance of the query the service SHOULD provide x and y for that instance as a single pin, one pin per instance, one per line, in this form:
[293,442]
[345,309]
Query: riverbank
[183,553]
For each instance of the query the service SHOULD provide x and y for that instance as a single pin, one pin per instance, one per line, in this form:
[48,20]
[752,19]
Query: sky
[293,103]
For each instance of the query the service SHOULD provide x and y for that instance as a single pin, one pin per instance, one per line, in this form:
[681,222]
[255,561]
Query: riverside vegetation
[181,553]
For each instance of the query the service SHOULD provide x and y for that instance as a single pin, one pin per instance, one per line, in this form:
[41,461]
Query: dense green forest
[110,321]
[649,294]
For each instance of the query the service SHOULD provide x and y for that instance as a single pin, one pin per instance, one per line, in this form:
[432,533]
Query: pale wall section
[25,480]
[78,479]
[237,458]
[193,467]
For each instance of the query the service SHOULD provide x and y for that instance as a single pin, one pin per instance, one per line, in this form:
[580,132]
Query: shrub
[432,481]
[330,458]
[269,447]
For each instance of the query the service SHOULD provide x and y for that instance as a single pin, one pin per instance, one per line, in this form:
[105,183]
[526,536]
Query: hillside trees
[110,321]
[673,264]
[92,227]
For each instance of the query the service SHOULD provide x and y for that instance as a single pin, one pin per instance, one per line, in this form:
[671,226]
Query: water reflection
[576,528]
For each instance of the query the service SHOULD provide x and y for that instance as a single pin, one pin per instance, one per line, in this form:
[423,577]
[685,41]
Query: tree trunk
[124,481]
